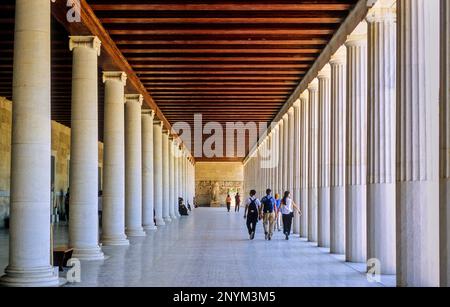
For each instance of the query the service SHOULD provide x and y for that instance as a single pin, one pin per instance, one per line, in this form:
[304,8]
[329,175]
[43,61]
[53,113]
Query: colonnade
[371,141]
[145,168]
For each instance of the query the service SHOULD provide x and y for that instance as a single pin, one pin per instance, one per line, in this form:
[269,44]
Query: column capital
[383,10]
[286,115]
[297,103]
[115,76]
[290,111]
[314,85]
[85,41]
[134,98]
[358,36]
[325,72]
[157,122]
[339,57]
[304,96]
[149,112]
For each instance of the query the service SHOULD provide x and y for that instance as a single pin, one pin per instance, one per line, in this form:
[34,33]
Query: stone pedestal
[133,166]
[113,216]
[29,244]
[83,223]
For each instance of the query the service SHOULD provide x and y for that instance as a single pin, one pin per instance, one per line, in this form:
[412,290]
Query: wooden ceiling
[228,60]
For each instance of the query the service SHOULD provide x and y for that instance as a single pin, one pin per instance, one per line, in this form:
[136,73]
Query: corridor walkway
[211,248]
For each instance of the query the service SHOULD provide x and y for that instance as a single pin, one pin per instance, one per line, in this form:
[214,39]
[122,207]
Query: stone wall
[224,177]
[60,150]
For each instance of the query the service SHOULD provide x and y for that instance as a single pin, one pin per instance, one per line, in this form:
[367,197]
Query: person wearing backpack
[252,213]
[268,211]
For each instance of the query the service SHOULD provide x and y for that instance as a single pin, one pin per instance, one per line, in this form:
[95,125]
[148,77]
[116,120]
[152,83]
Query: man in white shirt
[252,213]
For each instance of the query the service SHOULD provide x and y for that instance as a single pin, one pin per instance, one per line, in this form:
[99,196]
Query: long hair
[285,197]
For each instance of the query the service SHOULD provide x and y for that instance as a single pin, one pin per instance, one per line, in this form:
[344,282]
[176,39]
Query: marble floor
[211,248]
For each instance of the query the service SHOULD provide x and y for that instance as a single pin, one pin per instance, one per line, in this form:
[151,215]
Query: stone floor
[211,248]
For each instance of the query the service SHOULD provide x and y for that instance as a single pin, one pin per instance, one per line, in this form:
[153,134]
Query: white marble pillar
[324,78]
[148,222]
[113,216]
[178,175]
[418,143]
[445,144]
[280,157]
[165,177]
[313,90]
[296,164]
[29,243]
[381,135]
[171,180]
[83,223]
[337,157]
[276,157]
[175,177]
[304,121]
[133,165]
[356,144]
[286,152]
[158,171]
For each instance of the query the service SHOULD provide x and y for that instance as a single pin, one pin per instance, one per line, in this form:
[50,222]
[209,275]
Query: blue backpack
[267,203]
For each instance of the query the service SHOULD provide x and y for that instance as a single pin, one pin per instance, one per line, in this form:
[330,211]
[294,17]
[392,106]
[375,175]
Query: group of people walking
[270,210]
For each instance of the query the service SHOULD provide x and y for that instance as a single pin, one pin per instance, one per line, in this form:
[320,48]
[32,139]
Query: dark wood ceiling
[228,60]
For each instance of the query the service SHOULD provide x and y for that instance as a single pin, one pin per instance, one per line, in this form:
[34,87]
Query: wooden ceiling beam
[301,6]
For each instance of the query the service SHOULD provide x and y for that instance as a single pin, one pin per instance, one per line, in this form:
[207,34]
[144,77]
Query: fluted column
[83,224]
[148,222]
[324,78]
[175,176]
[313,89]
[165,177]
[133,166]
[29,242]
[296,163]
[304,111]
[418,143]
[381,135]
[445,144]
[286,152]
[158,172]
[356,143]
[338,136]
[113,216]
[171,180]
[280,157]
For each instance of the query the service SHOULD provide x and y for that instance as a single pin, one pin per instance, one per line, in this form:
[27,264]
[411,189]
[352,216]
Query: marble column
[29,246]
[445,144]
[286,152]
[178,175]
[356,144]
[148,222]
[296,164]
[304,111]
[324,78]
[175,176]
[280,157]
[313,90]
[171,180]
[83,221]
[133,166]
[158,171]
[381,135]
[276,156]
[113,216]
[418,143]
[165,177]
[337,157]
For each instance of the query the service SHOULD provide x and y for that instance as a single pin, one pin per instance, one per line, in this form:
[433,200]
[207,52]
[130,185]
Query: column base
[120,240]
[88,254]
[173,217]
[160,222]
[37,277]
[150,228]
[137,232]
[167,220]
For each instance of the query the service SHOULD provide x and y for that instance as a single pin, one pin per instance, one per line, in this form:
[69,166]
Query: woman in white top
[287,209]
